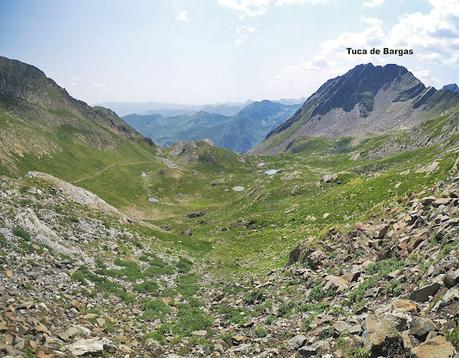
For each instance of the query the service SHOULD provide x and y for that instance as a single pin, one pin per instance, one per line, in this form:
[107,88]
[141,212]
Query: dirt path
[107,168]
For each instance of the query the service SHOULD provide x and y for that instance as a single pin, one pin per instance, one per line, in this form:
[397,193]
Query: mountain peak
[452,87]
[366,100]
[359,87]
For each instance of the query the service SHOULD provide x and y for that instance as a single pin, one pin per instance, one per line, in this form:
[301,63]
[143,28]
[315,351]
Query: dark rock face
[453,87]
[367,100]
[360,85]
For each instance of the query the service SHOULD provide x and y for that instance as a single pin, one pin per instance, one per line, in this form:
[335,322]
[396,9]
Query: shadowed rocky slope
[367,100]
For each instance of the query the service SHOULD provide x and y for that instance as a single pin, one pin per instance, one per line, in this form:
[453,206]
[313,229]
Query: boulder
[401,305]
[449,297]
[451,278]
[93,346]
[341,327]
[423,294]
[337,283]
[383,337]
[74,331]
[195,214]
[296,342]
[307,351]
[420,327]
[437,347]
[328,178]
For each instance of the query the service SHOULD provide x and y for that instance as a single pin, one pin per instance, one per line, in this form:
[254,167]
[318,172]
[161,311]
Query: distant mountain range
[171,109]
[238,133]
[367,100]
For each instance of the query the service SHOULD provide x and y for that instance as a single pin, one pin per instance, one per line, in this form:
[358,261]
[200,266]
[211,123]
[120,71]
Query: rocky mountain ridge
[23,82]
[367,100]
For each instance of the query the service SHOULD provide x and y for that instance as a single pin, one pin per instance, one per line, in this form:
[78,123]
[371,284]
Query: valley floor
[339,253]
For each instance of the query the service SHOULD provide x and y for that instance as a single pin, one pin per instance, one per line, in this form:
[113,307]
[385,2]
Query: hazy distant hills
[176,109]
[171,109]
[239,132]
[367,100]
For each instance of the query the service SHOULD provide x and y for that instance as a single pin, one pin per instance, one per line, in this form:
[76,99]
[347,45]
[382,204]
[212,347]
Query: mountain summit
[452,87]
[366,100]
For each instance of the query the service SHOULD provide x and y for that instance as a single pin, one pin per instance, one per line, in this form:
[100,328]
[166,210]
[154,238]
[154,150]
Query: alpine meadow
[317,216]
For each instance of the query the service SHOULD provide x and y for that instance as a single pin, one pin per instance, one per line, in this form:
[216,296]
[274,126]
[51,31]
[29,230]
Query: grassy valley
[344,246]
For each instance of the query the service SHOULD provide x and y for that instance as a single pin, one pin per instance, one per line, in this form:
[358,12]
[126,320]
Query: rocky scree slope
[78,278]
[81,282]
[386,288]
[367,100]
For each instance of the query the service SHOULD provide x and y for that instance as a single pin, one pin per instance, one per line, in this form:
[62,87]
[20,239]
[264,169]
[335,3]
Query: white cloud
[373,3]
[243,33]
[183,16]
[74,81]
[259,7]
[434,37]
[98,85]
[426,77]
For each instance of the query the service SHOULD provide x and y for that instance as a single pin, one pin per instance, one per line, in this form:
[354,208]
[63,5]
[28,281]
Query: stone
[355,329]
[7,351]
[401,305]
[428,200]
[307,351]
[238,188]
[449,297]
[424,293]
[341,327]
[188,232]
[335,282]
[91,346]
[437,347]
[195,214]
[328,178]
[74,331]
[441,201]
[352,275]
[451,278]
[321,346]
[383,336]
[420,327]
[296,342]
[199,333]
[238,339]
[381,232]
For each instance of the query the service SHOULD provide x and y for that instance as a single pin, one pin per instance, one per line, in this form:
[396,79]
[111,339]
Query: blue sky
[205,51]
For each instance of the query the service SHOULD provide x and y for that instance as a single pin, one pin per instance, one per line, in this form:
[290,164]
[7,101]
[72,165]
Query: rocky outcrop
[365,101]
[402,288]
[77,194]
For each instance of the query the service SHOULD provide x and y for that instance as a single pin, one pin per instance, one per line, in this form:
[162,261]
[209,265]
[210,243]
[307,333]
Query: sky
[215,51]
